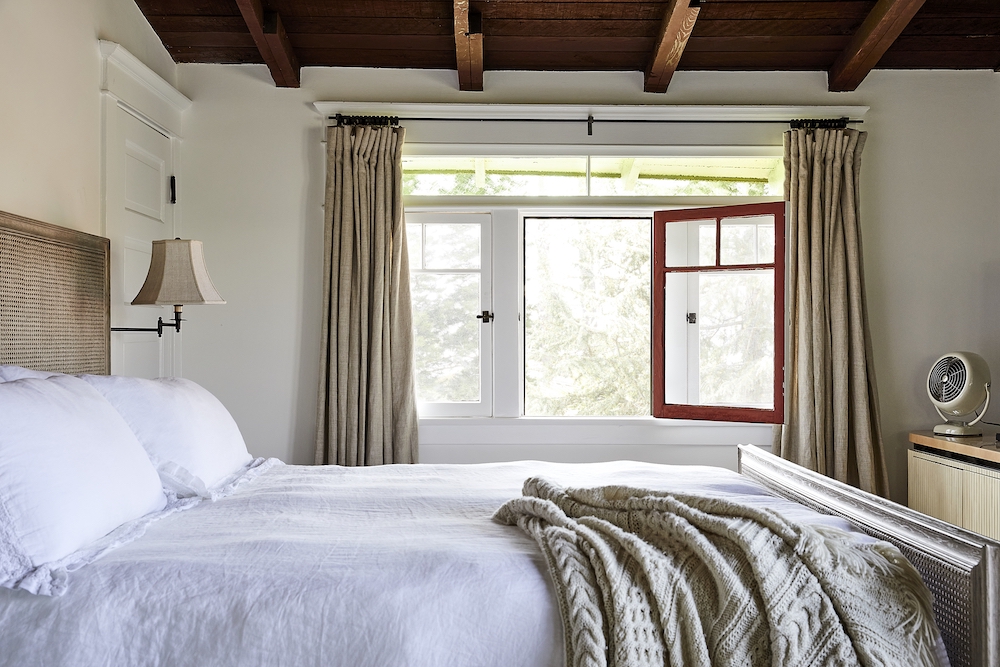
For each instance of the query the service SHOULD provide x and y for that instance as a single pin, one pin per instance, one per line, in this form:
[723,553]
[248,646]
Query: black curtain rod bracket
[376,121]
[821,123]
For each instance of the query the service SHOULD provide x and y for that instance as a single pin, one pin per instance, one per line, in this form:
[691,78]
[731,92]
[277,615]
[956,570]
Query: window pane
[414,245]
[765,242]
[690,243]
[451,246]
[587,305]
[447,336]
[748,240]
[736,339]
[738,244]
[706,243]
[495,176]
[679,176]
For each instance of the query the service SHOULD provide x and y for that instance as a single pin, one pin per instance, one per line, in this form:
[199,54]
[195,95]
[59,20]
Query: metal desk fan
[958,384]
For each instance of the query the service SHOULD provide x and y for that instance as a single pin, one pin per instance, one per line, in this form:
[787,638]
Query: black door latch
[486,317]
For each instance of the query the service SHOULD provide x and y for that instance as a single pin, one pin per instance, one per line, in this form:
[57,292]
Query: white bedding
[385,566]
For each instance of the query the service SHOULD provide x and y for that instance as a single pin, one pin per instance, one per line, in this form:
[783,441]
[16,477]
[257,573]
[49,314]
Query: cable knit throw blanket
[654,578]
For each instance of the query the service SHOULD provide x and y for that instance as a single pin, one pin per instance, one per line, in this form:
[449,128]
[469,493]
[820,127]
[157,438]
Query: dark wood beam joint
[468,46]
[272,41]
[281,48]
[675,30]
[884,23]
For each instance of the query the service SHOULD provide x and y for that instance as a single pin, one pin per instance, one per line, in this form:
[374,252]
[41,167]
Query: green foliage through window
[587,309]
[576,176]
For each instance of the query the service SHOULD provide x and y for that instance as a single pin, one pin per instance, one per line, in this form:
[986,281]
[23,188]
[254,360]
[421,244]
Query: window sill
[627,437]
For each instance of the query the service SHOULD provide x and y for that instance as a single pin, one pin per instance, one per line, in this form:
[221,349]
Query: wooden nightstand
[956,480]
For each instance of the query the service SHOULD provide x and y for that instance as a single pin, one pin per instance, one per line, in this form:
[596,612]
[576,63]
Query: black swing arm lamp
[177,277]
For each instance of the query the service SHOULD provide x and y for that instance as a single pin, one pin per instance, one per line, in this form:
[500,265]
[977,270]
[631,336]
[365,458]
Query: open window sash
[718,343]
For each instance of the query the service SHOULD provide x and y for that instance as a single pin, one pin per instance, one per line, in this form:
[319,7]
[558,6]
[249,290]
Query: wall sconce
[177,276]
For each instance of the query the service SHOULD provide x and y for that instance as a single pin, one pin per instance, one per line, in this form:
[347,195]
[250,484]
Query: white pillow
[8,373]
[188,434]
[71,471]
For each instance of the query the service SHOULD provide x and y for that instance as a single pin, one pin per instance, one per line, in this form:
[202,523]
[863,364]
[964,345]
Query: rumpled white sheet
[380,567]
[52,578]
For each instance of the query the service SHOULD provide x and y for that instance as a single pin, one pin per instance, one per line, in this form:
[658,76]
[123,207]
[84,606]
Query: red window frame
[715,412]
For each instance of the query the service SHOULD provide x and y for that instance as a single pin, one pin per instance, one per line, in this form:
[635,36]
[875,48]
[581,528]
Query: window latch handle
[692,318]
[486,317]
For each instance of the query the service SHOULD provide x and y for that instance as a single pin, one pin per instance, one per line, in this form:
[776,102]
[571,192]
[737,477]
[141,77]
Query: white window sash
[483,407]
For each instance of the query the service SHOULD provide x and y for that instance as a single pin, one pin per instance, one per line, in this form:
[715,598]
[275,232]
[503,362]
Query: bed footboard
[961,568]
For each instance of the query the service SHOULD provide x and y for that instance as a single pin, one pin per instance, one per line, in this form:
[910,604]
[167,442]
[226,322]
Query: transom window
[596,176]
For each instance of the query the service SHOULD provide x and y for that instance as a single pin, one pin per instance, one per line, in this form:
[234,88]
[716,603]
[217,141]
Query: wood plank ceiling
[847,38]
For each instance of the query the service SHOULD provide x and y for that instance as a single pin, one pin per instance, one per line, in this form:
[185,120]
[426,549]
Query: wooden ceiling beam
[885,22]
[468,46]
[272,41]
[675,30]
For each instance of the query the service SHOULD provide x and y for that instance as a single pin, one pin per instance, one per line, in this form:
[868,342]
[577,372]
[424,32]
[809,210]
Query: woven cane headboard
[961,568]
[54,297]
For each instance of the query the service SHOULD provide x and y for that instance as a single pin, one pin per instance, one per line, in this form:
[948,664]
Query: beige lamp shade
[177,276]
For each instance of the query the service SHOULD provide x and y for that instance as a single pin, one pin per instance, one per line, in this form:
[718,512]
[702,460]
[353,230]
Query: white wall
[50,110]
[931,215]
[253,193]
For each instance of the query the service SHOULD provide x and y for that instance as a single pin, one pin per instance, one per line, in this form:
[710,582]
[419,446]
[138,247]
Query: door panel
[145,179]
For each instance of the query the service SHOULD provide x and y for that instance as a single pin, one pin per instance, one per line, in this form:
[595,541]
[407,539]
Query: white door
[138,169]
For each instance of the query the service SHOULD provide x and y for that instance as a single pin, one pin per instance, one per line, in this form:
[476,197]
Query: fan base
[957,430]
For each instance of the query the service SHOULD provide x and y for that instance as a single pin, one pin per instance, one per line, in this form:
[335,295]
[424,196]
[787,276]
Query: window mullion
[507,308]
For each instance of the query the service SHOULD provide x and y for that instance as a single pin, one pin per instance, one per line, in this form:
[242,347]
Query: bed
[396,565]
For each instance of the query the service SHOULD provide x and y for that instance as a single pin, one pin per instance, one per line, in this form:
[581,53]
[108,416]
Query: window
[575,176]
[718,313]
[602,311]
[450,285]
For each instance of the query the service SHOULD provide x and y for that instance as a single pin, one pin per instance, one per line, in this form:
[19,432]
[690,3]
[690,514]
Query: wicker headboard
[54,297]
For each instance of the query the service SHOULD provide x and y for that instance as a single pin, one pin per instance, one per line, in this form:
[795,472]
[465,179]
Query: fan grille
[947,379]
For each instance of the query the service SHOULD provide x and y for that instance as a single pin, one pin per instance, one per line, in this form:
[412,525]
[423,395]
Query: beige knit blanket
[652,578]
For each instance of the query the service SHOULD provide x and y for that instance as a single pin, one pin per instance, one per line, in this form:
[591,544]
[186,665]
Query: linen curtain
[832,412]
[367,407]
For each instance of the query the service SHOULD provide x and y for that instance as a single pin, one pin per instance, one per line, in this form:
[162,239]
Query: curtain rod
[795,123]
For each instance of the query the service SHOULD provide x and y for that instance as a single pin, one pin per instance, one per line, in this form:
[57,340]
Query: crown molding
[139,72]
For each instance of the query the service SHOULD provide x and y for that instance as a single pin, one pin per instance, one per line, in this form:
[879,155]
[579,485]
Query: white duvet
[353,567]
